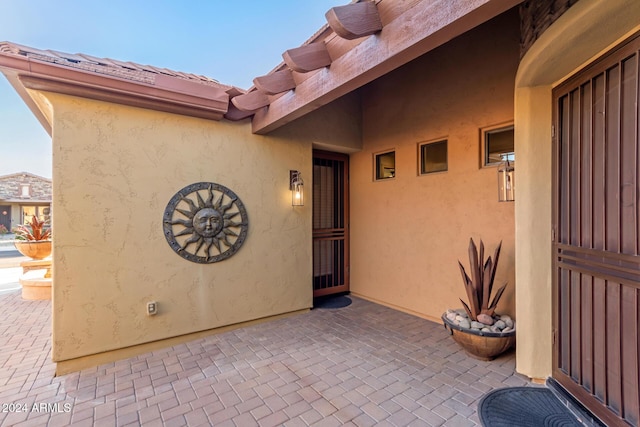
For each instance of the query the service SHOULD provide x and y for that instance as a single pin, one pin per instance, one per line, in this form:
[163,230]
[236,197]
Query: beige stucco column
[585,31]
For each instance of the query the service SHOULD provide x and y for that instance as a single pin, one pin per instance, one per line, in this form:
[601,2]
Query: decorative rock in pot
[479,340]
[478,329]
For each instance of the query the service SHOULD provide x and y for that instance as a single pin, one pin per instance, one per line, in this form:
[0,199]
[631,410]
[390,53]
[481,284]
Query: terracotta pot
[34,249]
[478,344]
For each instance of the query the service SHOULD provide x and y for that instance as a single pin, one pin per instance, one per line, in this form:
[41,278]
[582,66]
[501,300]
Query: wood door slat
[596,258]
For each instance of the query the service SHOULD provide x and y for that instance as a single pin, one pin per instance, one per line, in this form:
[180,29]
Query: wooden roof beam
[354,20]
[308,57]
[423,26]
[233,113]
[280,81]
[251,101]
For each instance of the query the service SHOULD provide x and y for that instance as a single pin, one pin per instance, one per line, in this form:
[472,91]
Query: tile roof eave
[12,78]
[155,91]
[25,201]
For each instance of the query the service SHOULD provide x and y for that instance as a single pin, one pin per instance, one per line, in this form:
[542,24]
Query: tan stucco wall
[408,233]
[115,168]
[576,38]
[336,126]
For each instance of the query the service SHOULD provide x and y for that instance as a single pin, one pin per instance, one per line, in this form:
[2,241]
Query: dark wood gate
[5,216]
[596,226]
[330,223]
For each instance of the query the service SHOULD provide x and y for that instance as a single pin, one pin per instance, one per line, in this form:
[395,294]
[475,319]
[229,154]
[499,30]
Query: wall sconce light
[506,181]
[296,185]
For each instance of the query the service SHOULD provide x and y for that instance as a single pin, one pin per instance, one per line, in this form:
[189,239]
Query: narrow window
[25,190]
[385,165]
[497,145]
[433,157]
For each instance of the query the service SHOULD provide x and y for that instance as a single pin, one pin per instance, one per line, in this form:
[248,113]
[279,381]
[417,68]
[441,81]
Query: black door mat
[333,301]
[525,407]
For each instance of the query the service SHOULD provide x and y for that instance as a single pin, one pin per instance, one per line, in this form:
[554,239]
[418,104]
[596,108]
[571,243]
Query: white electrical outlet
[152,308]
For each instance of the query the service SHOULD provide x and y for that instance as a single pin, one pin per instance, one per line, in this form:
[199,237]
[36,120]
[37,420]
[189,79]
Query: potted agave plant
[481,332]
[34,239]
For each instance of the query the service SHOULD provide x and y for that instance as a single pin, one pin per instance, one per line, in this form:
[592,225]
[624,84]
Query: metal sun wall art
[205,223]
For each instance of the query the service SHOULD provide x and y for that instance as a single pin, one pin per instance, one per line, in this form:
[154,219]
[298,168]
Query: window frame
[25,190]
[488,130]
[376,168]
[421,169]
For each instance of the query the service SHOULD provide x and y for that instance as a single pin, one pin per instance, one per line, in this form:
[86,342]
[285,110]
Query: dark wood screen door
[330,223]
[596,222]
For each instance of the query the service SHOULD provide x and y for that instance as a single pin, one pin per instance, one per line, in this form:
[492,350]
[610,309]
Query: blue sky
[231,41]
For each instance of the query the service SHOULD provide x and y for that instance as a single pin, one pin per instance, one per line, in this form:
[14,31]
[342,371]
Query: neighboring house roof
[363,41]
[38,189]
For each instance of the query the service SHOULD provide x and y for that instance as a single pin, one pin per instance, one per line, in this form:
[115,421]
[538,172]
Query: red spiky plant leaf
[470,290]
[35,230]
[479,284]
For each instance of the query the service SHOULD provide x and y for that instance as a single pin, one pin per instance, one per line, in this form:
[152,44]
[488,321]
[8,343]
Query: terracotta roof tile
[112,67]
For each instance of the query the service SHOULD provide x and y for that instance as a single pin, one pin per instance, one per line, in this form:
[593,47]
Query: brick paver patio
[360,365]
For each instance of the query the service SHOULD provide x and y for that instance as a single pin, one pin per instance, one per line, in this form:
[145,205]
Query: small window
[385,165]
[433,157]
[497,145]
[25,190]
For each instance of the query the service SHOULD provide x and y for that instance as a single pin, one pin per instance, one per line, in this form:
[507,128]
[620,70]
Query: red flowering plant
[34,231]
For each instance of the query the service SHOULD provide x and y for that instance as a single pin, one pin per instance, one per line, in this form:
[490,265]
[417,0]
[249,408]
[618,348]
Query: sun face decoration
[205,230]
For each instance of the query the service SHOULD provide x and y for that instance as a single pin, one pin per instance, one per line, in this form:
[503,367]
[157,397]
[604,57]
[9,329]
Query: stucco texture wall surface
[409,232]
[115,170]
